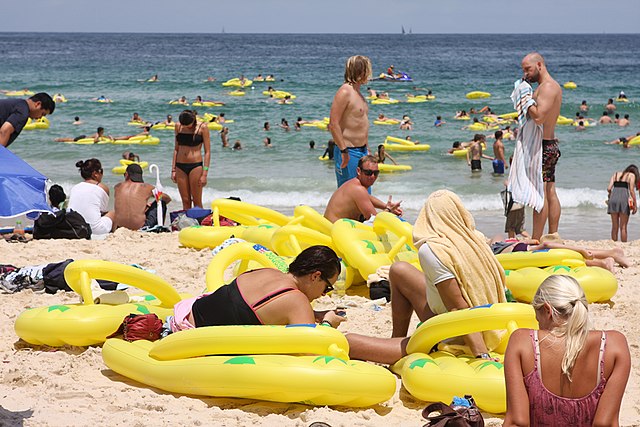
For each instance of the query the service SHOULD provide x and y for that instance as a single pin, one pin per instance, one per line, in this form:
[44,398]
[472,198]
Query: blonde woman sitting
[564,374]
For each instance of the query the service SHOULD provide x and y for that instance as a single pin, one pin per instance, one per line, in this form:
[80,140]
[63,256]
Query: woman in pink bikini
[564,374]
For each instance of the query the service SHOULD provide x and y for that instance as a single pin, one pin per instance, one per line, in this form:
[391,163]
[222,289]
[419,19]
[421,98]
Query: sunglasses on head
[369,172]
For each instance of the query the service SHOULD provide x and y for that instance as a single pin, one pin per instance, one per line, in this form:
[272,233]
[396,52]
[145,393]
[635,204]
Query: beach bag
[456,416]
[61,225]
[53,277]
[140,327]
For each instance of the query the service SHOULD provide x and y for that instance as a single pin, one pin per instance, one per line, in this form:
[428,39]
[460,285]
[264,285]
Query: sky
[326,16]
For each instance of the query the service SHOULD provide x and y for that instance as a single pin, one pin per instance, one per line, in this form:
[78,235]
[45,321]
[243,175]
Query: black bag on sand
[463,416]
[61,225]
[53,276]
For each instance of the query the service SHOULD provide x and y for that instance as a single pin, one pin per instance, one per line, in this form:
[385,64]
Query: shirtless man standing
[132,207]
[349,122]
[499,162]
[353,200]
[548,97]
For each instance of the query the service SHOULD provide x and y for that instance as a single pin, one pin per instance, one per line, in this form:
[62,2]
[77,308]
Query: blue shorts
[498,166]
[355,154]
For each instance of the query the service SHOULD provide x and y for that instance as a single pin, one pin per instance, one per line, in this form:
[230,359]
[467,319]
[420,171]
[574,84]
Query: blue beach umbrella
[22,188]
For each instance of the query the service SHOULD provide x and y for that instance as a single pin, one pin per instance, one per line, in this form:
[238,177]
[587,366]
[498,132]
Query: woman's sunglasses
[329,287]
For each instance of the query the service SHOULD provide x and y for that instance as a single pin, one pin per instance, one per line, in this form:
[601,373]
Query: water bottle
[18,229]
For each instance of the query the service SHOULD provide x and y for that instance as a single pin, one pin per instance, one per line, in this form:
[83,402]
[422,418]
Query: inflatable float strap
[599,285]
[244,251]
[263,339]
[399,140]
[291,239]
[388,222]
[365,250]
[509,316]
[541,258]
[89,323]
[309,217]
[313,380]
[246,213]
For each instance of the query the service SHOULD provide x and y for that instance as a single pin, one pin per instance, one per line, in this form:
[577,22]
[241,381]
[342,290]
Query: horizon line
[310,33]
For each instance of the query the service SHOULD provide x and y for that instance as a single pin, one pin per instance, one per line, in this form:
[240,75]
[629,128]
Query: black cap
[135,172]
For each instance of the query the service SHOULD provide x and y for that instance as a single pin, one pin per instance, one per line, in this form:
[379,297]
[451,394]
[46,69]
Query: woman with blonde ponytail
[565,373]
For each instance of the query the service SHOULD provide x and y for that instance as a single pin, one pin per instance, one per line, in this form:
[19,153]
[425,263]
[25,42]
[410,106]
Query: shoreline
[77,382]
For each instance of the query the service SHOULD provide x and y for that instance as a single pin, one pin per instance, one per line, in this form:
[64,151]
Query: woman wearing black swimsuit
[622,200]
[189,170]
[267,296]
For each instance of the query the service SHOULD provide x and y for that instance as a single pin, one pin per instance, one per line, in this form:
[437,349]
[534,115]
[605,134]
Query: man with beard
[548,97]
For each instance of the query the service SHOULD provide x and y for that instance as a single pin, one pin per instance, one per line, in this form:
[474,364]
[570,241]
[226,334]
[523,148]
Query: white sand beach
[71,386]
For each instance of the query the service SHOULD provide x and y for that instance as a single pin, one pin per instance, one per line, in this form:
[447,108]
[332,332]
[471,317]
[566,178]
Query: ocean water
[311,66]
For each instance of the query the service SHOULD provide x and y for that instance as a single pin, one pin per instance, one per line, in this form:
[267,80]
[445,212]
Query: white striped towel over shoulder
[525,175]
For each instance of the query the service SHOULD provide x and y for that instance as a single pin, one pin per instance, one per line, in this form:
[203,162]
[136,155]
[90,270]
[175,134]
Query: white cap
[621,92]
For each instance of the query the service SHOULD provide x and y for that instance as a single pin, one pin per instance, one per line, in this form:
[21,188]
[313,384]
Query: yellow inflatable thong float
[478,94]
[41,123]
[237,83]
[441,375]
[384,168]
[120,170]
[599,285]
[88,323]
[367,248]
[319,379]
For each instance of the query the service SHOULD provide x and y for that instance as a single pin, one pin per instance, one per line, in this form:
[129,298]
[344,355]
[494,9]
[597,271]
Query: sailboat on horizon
[403,33]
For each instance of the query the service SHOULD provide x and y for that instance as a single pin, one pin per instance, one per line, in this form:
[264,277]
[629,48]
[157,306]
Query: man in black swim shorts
[548,97]
[550,155]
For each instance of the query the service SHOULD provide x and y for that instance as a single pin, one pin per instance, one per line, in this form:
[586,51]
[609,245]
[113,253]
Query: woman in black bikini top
[268,296]
[189,170]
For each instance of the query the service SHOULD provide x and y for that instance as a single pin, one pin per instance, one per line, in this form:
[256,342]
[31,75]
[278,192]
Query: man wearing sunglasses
[352,200]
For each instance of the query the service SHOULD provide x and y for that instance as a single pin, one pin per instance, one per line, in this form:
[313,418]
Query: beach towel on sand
[525,175]
[449,230]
